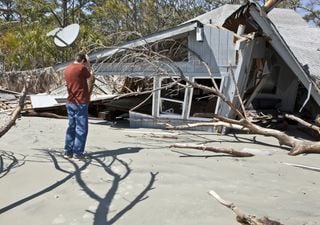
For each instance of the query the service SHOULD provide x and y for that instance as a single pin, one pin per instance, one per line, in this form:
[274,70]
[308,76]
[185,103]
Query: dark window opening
[170,108]
[203,103]
[171,90]
[270,86]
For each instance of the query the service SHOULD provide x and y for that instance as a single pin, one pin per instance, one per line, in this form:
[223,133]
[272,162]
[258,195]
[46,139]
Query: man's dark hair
[80,57]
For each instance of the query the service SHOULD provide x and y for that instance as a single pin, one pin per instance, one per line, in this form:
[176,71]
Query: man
[76,75]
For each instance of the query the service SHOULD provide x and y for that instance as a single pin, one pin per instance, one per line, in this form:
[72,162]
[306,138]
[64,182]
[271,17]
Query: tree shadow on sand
[9,161]
[96,159]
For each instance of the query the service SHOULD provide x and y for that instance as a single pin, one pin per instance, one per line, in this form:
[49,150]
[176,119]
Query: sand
[133,177]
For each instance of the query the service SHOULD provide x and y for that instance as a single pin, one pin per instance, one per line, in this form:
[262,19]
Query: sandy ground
[134,178]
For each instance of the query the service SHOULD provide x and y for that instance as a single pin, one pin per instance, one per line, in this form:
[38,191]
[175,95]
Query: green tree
[24,25]
[311,9]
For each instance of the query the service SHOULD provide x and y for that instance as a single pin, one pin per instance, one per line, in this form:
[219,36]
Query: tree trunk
[297,146]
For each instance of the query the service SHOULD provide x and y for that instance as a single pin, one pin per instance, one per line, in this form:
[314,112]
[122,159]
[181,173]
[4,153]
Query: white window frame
[172,100]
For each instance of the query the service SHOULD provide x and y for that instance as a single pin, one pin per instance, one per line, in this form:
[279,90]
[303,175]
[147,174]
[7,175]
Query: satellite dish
[64,37]
[53,32]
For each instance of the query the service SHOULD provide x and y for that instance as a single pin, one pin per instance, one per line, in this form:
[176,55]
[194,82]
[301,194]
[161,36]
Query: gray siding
[194,68]
[216,49]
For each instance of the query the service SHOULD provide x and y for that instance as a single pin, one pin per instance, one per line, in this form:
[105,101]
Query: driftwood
[156,136]
[229,151]
[304,123]
[15,113]
[243,218]
[298,146]
[304,166]
[211,124]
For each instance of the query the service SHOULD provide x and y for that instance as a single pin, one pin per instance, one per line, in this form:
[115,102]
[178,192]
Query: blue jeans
[76,135]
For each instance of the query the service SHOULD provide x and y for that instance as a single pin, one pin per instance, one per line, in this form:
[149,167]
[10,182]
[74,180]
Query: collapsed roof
[284,29]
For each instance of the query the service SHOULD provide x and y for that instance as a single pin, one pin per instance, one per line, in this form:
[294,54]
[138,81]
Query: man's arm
[90,77]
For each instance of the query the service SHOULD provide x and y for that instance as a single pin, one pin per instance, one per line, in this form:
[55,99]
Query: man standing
[76,75]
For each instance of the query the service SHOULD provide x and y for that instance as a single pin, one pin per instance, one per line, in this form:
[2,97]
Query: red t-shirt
[76,75]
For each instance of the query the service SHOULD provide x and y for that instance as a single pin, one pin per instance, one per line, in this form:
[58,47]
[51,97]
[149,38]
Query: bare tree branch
[304,123]
[166,67]
[242,217]
[211,124]
[229,151]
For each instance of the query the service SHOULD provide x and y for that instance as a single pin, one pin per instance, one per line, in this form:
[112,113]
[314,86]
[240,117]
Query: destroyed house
[274,59]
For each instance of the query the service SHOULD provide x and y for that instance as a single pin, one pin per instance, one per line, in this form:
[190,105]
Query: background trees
[24,24]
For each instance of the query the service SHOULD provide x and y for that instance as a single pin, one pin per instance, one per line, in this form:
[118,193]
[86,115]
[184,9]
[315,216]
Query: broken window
[172,96]
[203,103]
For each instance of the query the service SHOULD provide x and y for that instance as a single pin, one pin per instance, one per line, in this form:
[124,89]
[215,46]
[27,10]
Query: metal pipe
[270,4]
[307,99]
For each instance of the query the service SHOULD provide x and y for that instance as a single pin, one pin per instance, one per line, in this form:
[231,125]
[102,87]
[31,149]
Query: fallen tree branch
[141,103]
[297,146]
[302,122]
[169,68]
[210,124]
[15,113]
[242,218]
[303,166]
[229,151]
